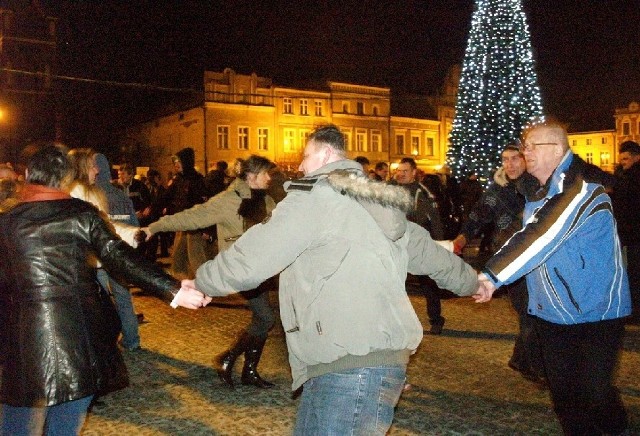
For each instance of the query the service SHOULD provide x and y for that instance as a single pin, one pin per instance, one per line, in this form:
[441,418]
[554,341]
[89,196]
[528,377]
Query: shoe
[140,317]
[224,362]
[252,356]
[436,329]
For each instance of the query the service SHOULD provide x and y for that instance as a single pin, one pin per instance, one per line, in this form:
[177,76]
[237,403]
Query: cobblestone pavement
[461,384]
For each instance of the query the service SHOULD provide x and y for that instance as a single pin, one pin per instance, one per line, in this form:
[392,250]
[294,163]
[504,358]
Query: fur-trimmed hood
[500,177]
[388,205]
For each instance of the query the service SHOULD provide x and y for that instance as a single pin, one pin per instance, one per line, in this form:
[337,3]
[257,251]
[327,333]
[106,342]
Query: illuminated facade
[247,114]
[598,148]
[628,123]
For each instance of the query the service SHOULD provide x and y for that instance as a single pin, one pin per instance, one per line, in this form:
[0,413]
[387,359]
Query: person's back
[60,336]
[343,246]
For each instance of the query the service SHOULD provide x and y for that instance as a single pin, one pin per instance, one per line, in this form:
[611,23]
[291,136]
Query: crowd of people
[341,240]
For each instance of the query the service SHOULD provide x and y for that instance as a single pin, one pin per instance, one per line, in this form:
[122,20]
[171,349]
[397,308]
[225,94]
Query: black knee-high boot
[252,356]
[226,360]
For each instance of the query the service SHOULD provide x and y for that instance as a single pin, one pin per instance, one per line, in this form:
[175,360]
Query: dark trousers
[633,271]
[526,357]
[262,316]
[580,361]
[432,294]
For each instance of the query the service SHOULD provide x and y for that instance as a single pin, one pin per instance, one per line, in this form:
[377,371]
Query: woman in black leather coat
[59,339]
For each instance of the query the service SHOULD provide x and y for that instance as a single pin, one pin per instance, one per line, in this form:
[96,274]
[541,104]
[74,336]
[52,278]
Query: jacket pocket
[567,288]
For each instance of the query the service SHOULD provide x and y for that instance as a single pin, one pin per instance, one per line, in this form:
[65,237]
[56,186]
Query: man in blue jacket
[570,253]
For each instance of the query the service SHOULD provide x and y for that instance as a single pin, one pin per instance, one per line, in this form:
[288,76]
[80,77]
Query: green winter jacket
[343,246]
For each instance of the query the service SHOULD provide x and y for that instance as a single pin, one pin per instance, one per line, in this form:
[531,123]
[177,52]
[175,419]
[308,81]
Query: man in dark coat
[186,190]
[627,213]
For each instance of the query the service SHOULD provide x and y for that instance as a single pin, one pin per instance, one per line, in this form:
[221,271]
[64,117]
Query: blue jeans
[124,306]
[358,401]
[64,419]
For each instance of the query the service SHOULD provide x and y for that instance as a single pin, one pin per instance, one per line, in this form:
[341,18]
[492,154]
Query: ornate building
[628,122]
[247,114]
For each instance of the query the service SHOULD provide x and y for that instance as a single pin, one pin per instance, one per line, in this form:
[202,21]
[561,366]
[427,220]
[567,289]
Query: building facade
[628,123]
[247,114]
[599,148]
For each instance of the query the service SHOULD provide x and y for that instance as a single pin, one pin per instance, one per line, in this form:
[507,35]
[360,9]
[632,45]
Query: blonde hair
[82,160]
[557,131]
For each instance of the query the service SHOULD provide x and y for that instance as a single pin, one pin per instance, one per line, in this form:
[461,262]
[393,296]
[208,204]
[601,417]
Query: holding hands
[189,297]
[485,289]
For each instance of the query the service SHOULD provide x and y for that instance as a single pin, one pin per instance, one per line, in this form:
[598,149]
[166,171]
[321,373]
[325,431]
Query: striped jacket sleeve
[554,221]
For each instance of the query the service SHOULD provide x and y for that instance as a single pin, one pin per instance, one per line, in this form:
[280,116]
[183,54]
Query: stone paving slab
[461,382]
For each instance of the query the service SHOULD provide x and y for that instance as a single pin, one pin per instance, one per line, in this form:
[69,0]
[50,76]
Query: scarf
[30,193]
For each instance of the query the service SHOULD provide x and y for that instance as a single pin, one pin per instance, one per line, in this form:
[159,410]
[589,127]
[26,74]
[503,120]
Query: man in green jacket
[343,246]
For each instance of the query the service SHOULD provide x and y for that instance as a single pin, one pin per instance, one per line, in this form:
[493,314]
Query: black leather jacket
[57,345]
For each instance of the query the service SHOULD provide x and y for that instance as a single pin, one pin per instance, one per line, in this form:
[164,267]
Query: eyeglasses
[531,146]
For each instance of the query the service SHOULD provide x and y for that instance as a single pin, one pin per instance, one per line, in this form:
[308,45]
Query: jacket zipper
[566,285]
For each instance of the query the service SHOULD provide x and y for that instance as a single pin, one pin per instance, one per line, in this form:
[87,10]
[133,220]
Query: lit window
[400,144]
[589,158]
[263,138]
[429,147]
[319,108]
[604,158]
[243,138]
[361,140]
[304,106]
[347,139]
[376,140]
[287,105]
[223,137]
[289,140]
[304,136]
[415,145]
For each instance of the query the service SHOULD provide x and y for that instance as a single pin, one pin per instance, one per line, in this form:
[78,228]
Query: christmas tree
[498,92]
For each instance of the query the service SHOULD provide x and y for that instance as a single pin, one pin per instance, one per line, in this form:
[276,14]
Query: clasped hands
[189,297]
[485,290]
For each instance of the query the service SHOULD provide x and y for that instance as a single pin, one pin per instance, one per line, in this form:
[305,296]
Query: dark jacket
[187,188]
[138,193]
[501,205]
[425,212]
[57,337]
[625,198]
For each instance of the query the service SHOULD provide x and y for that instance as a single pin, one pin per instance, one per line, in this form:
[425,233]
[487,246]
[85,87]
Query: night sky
[587,52]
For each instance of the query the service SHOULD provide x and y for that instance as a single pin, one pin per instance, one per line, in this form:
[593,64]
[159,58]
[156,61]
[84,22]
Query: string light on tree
[498,92]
